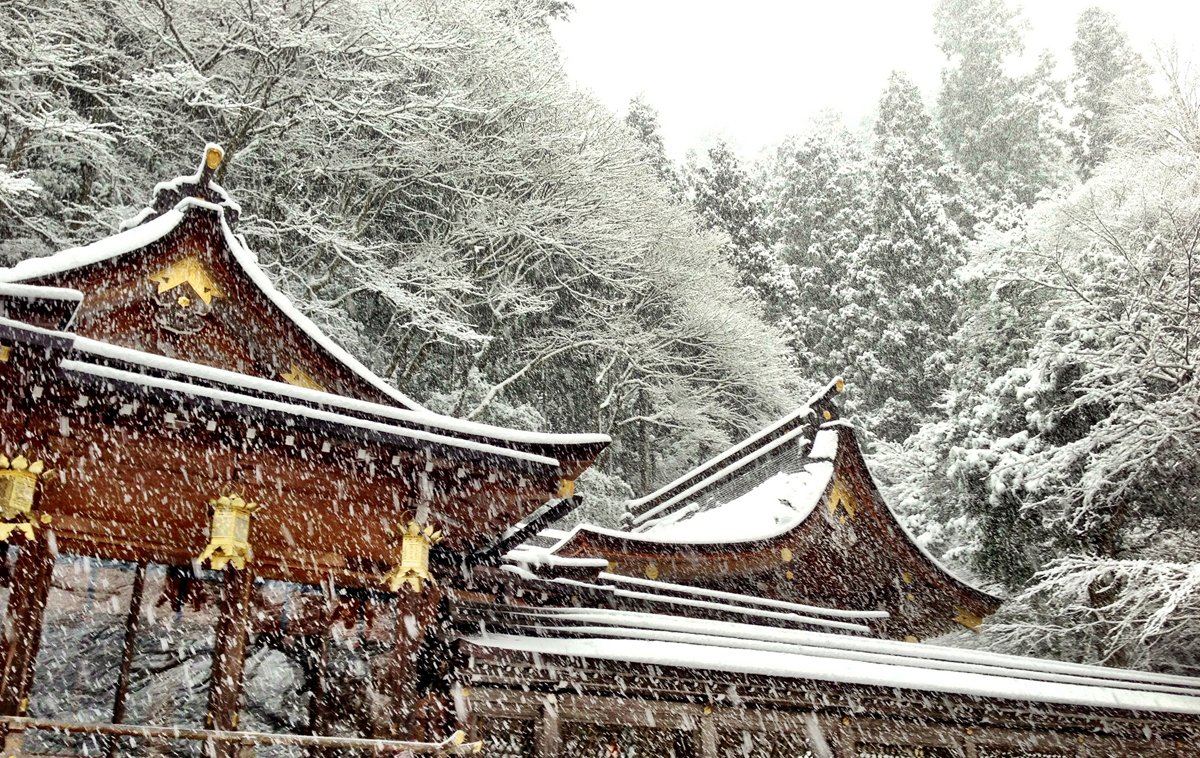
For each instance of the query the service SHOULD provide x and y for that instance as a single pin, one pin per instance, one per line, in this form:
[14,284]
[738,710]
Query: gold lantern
[229,539]
[18,485]
[411,557]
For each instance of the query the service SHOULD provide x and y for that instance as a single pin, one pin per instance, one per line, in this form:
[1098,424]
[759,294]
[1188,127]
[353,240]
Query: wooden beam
[318,704]
[229,652]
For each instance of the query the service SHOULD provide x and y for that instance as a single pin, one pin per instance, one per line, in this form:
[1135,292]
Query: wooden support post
[229,653]
[414,612]
[318,704]
[30,589]
[708,734]
[131,630]
[23,626]
[549,737]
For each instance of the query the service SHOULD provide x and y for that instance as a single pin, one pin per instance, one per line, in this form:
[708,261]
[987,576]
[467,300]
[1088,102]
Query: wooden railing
[15,727]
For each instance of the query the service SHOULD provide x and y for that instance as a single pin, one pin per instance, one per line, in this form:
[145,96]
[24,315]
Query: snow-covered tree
[1003,129]
[727,198]
[899,297]
[1108,72]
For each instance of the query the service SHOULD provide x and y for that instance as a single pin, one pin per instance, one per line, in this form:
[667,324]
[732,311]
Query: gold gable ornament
[843,496]
[411,557]
[18,487]
[301,378]
[229,538]
[187,271]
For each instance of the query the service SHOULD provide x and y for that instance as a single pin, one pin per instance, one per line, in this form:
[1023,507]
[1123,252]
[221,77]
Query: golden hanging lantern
[411,557]
[229,539]
[18,486]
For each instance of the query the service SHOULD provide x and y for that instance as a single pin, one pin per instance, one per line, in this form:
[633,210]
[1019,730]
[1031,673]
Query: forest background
[1004,276]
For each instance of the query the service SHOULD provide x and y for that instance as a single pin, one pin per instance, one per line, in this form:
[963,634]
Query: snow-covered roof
[735,452]
[771,509]
[155,229]
[667,640]
[147,228]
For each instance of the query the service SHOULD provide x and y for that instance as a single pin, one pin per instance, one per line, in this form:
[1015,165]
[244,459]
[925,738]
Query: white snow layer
[803,410]
[772,508]
[645,519]
[907,675]
[41,293]
[423,418]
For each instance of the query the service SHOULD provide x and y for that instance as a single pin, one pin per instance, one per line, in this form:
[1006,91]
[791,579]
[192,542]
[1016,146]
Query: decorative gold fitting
[968,619]
[184,301]
[5,353]
[652,571]
[566,488]
[785,554]
[187,271]
[18,487]
[411,557]
[301,378]
[839,385]
[213,156]
[229,537]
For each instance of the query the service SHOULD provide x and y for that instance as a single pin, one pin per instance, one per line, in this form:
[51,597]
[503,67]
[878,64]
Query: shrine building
[197,485]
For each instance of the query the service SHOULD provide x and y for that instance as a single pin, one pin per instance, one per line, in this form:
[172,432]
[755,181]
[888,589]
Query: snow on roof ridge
[795,618]
[803,666]
[800,607]
[644,519]
[247,381]
[249,263]
[802,410]
[106,372]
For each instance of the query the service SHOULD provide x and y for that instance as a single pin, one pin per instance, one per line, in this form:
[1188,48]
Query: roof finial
[213,153]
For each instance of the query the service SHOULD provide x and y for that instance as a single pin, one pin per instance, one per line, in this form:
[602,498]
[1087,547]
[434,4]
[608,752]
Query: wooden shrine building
[184,450]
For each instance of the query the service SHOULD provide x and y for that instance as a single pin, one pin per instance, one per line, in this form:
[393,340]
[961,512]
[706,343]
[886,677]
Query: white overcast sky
[754,71]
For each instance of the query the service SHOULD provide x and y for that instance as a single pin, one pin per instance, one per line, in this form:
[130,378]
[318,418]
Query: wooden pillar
[319,716]
[131,630]
[414,612]
[23,625]
[549,737]
[229,653]
[708,734]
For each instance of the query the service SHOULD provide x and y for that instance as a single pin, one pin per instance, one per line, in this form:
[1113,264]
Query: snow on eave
[841,670]
[749,599]
[644,519]
[795,618]
[260,384]
[249,264]
[801,411]
[151,231]
[196,390]
[103,250]
[34,292]
[900,524]
[917,654]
